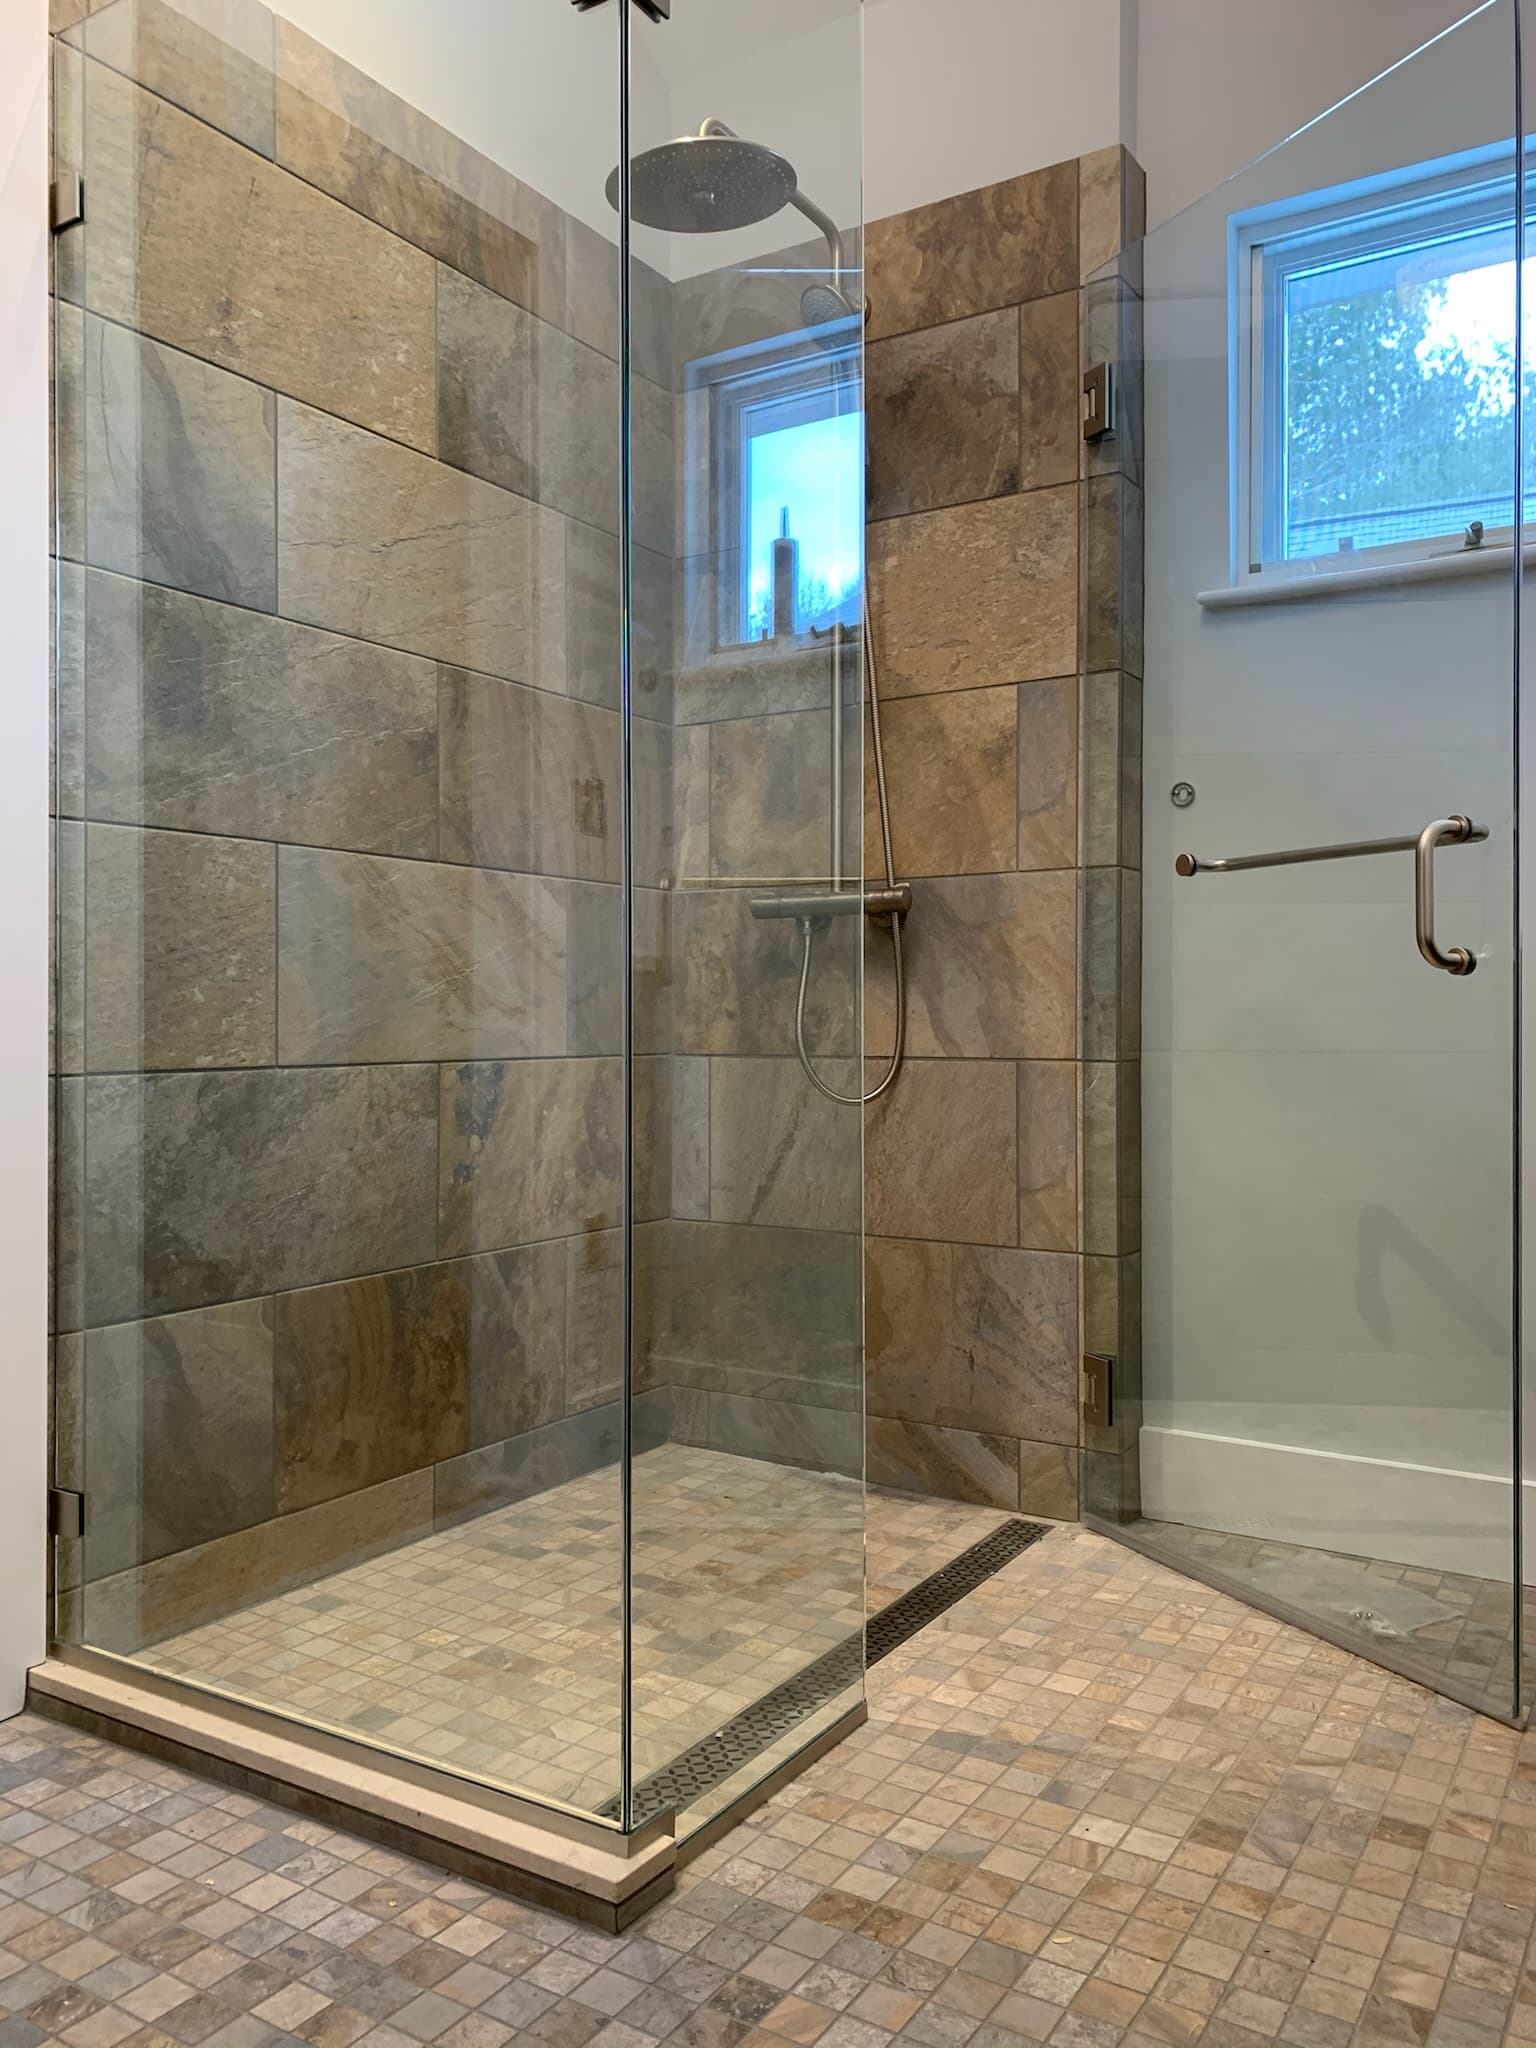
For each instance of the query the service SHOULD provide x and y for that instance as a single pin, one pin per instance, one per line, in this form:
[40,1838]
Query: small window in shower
[787,463]
[1375,368]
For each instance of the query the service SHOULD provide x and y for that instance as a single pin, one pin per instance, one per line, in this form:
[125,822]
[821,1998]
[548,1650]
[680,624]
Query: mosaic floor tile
[1095,1803]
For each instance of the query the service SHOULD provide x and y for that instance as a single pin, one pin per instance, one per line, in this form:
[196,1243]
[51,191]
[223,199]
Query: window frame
[1268,247]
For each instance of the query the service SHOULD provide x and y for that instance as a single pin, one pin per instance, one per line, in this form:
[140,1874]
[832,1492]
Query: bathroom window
[789,456]
[1375,371]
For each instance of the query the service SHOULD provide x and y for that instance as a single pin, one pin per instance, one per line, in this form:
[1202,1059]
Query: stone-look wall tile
[342,131]
[1113,332]
[595,970]
[1050,392]
[780,1152]
[500,1475]
[233,1573]
[67,949]
[181,458]
[1112,574]
[791,1433]
[993,247]
[941,1153]
[738,976]
[204,718]
[1110,993]
[517,1336]
[1048,774]
[175,1420]
[740,303]
[525,405]
[214,58]
[652,1150]
[1048,1481]
[1048,1155]
[1112,1326]
[991,970]
[968,1337]
[690,1137]
[593,275]
[1112,207]
[180,931]
[66,444]
[1109,771]
[952,774]
[530,1149]
[770,797]
[935,584]
[732,1299]
[593,1277]
[407,960]
[950,1464]
[372,1380]
[200,243]
[1111,1117]
[529,781]
[943,415]
[212,1187]
[388,545]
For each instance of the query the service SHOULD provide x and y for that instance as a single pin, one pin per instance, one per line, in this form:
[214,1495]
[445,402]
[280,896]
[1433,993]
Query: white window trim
[1472,189]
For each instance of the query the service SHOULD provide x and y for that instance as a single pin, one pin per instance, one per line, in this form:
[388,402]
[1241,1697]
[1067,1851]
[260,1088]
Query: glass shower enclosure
[459,563]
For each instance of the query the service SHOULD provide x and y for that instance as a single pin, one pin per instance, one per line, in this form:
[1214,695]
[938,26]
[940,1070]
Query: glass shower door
[1328,1055]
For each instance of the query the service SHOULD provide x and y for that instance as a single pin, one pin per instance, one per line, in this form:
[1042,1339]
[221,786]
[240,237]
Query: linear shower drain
[718,1756]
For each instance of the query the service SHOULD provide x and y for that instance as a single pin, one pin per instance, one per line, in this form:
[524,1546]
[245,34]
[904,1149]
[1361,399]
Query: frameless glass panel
[746,565]
[1325,1402]
[341,1115]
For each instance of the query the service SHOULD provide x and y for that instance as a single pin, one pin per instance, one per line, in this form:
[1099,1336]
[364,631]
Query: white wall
[962,93]
[1328,1208]
[1222,81]
[24,600]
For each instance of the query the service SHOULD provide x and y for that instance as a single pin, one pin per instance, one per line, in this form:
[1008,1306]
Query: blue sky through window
[816,469]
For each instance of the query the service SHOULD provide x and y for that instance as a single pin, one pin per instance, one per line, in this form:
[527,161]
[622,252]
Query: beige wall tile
[953,1464]
[1048,1110]
[205,245]
[993,247]
[408,960]
[991,970]
[1050,392]
[936,584]
[943,415]
[215,58]
[1047,793]
[951,765]
[1048,1480]
[941,1153]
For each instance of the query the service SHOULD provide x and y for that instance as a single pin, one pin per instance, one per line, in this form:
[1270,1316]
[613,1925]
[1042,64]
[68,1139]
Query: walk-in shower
[458,1359]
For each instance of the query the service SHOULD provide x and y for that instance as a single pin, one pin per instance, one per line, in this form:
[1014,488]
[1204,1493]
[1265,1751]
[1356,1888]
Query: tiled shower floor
[493,1648]
[1454,1630]
[1095,1803]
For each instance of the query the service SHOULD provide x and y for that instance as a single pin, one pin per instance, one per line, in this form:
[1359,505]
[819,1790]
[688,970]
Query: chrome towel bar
[1452,831]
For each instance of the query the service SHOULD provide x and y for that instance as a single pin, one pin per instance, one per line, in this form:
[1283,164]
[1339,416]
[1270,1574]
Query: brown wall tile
[529,1149]
[953,1464]
[951,765]
[780,1153]
[935,580]
[991,970]
[1050,392]
[215,58]
[943,415]
[941,1153]
[205,245]
[993,247]
[1047,794]
[408,960]
[1048,1107]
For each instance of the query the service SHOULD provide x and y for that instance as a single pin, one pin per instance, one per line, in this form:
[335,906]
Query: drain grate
[747,1734]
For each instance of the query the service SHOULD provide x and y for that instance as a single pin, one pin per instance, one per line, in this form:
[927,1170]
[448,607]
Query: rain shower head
[703,184]
[821,305]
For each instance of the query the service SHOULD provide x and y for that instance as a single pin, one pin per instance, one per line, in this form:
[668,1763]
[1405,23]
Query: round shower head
[702,184]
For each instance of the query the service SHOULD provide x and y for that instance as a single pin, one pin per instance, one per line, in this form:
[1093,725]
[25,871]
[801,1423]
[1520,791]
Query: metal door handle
[1455,832]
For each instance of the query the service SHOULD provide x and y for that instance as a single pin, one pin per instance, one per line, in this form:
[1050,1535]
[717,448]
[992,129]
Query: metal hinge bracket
[658,10]
[66,1512]
[1098,1390]
[66,202]
[1099,402]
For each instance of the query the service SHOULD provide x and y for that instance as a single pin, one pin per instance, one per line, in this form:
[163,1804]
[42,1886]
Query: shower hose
[808,928]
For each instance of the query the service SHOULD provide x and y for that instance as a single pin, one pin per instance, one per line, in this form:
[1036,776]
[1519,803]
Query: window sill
[1365,577]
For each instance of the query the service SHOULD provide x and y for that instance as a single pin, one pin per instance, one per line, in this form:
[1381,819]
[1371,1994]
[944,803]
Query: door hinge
[657,10]
[66,1512]
[1098,1390]
[66,202]
[1098,402]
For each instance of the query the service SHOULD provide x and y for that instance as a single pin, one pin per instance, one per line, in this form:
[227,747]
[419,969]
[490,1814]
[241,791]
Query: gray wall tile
[215,58]
[940,1153]
[529,1149]
[410,960]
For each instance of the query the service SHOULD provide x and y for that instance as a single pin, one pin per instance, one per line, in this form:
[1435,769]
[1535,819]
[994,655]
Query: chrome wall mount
[1099,402]
[1455,830]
